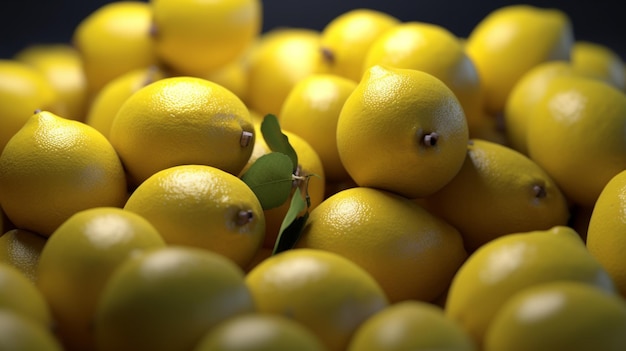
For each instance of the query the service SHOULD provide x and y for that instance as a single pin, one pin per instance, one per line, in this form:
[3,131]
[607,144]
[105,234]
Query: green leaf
[276,140]
[292,225]
[270,178]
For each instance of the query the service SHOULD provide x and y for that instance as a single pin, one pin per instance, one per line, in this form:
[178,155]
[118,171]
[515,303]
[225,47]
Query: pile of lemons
[426,191]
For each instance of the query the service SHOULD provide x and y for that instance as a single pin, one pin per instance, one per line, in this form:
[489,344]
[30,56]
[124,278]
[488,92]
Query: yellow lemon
[576,135]
[168,298]
[108,100]
[311,110]
[599,61]
[435,50]
[185,120]
[525,95]
[22,249]
[114,39]
[346,39]
[18,294]
[410,325]
[62,65]
[23,90]
[78,259]
[259,332]
[498,191]
[233,76]
[54,167]
[389,236]
[606,239]
[326,292]
[512,39]
[279,59]
[196,37]
[20,333]
[559,316]
[402,130]
[202,206]
[502,267]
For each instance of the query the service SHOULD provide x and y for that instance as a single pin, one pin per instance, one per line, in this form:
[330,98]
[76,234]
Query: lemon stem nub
[430,139]
[245,138]
[328,55]
[540,191]
[153,30]
[244,217]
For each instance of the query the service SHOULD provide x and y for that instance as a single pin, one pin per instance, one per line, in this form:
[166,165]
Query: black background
[26,22]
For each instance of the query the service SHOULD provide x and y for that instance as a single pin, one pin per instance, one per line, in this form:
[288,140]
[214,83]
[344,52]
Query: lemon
[503,266]
[62,65]
[114,39]
[326,292]
[183,120]
[19,333]
[259,332]
[196,37]
[311,110]
[108,100]
[279,59]
[23,90]
[525,95]
[346,38]
[559,316]
[605,234]
[233,76]
[54,167]
[202,206]
[410,325]
[576,135]
[433,49]
[512,39]
[599,61]
[19,295]
[498,191]
[22,249]
[168,298]
[402,130]
[391,237]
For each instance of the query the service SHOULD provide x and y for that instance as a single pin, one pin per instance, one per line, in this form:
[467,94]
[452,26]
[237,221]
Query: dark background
[25,22]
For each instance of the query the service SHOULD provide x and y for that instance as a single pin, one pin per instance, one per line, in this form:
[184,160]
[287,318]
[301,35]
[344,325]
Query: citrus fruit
[19,295]
[504,266]
[557,316]
[195,37]
[311,110]
[168,298]
[410,115]
[389,236]
[576,135]
[20,333]
[202,206]
[114,39]
[326,292]
[346,38]
[233,76]
[54,167]
[410,325]
[606,239]
[259,332]
[433,49]
[183,120]
[498,191]
[599,61]
[512,39]
[78,259]
[22,249]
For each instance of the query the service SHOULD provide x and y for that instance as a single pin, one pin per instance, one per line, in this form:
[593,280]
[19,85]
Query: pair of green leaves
[272,177]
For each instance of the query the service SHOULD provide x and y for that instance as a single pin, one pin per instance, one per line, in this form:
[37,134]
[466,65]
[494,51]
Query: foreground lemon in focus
[202,206]
[19,333]
[390,237]
[22,249]
[168,298]
[599,61]
[576,134]
[19,295]
[183,120]
[559,316]
[502,267]
[511,40]
[324,291]
[402,130]
[54,167]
